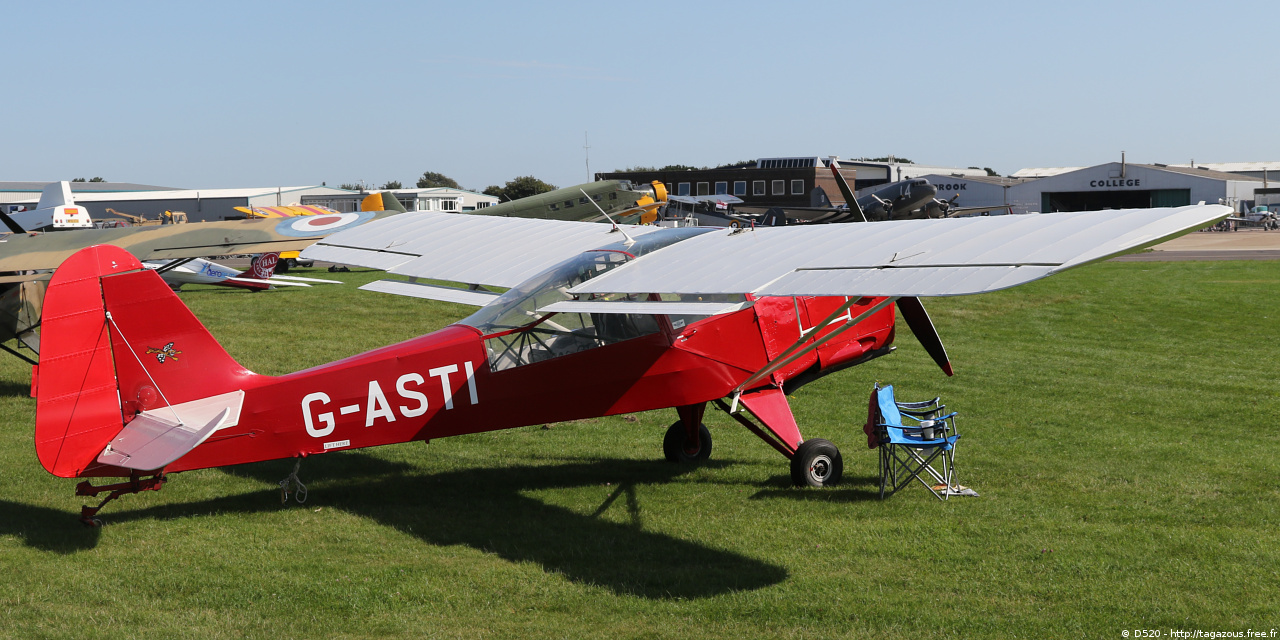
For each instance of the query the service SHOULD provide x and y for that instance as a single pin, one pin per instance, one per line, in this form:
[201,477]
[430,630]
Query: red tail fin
[263,267]
[115,341]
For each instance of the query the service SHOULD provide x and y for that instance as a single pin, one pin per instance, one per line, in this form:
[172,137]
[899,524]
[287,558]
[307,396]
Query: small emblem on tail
[166,351]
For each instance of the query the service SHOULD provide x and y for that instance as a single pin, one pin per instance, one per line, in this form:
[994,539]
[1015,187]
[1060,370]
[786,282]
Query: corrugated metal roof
[1233,167]
[1043,172]
[192,194]
[83,187]
[1203,173]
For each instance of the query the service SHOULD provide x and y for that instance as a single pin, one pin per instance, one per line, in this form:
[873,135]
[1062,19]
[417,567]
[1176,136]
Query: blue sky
[234,94]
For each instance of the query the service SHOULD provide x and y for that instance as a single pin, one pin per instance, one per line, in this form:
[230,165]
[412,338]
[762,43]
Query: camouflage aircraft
[27,257]
[623,200]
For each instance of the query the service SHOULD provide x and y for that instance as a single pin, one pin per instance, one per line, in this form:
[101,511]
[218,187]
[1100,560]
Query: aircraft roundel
[302,226]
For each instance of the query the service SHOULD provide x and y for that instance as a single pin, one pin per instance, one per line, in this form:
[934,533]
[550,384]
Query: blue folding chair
[907,451]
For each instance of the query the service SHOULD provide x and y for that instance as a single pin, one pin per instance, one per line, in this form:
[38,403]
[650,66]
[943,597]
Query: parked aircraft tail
[118,347]
[56,208]
[381,201]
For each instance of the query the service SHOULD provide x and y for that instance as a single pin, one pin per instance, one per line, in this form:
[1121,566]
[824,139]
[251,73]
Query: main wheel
[817,463]
[673,445]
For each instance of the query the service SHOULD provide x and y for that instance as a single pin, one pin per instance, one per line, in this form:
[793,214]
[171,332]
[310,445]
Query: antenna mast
[586,152]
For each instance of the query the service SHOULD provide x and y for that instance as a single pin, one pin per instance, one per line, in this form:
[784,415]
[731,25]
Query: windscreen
[517,334]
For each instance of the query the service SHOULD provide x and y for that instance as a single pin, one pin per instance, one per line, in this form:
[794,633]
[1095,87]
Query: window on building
[757,187]
[448,205]
[779,187]
[739,187]
[482,205]
[722,188]
[797,187]
[683,189]
[704,189]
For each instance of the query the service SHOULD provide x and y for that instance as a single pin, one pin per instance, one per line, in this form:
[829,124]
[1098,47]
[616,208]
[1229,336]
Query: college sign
[1111,183]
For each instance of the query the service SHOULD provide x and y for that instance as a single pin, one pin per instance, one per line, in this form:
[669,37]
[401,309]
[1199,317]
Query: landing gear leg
[136,484]
[688,440]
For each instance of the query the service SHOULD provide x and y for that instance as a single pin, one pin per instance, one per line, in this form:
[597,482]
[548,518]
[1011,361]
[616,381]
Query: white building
[428,199]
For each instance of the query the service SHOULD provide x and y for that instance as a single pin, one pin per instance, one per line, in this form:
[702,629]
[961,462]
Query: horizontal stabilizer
[648,308]
[432,292]
[158,437]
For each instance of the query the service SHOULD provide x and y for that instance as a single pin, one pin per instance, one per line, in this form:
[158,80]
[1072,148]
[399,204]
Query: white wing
[945,257]
[485,250]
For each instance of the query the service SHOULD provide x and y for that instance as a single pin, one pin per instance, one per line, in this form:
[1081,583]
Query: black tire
[673,444]
[817,463]
[283,266]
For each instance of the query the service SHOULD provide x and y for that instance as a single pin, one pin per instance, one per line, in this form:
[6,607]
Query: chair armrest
[918,405]
[920,413]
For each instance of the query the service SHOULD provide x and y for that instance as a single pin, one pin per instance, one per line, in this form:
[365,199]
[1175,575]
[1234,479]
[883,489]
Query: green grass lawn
[1121,421]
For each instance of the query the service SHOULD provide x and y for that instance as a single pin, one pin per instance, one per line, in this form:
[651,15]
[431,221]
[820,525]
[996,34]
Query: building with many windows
[804,181]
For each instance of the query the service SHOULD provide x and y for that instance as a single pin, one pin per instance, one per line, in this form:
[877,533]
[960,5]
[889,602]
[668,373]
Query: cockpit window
[517,334]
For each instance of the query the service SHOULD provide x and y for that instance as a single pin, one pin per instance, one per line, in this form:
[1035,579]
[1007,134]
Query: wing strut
[845,191]
[630,241]
[799,348]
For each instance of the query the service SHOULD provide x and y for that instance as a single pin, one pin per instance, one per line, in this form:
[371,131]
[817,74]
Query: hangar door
[1099,200]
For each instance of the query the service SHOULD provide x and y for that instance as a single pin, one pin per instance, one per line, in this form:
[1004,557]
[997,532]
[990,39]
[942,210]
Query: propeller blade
[918,320]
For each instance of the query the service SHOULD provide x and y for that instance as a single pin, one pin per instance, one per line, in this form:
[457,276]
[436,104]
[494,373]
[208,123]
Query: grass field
[1121,421]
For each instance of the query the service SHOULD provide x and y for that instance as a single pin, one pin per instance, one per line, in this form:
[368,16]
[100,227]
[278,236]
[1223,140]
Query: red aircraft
[131,385]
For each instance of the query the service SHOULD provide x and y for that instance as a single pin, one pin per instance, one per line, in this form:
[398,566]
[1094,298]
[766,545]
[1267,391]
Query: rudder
[116,341]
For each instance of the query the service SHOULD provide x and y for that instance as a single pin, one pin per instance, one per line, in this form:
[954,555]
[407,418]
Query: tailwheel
[679,447]
[816,463]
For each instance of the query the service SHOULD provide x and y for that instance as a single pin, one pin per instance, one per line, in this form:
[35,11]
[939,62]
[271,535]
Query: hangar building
[200,205]
[1120,185]
[26,193]
[1114,185]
